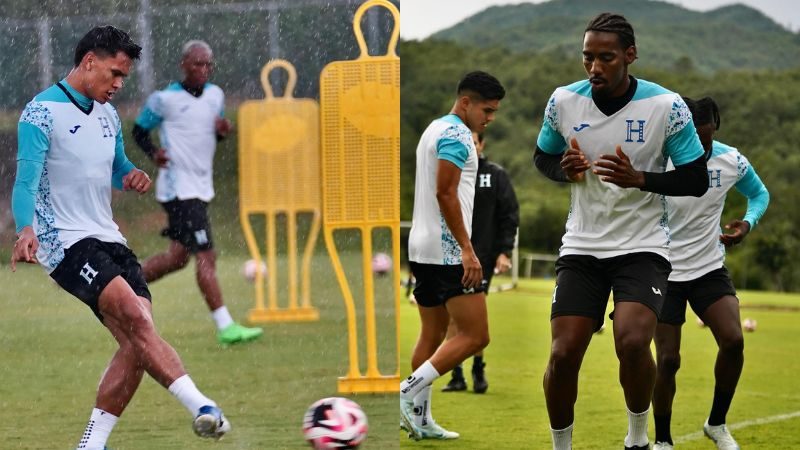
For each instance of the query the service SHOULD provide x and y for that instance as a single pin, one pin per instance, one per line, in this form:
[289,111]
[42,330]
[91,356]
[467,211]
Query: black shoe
[456,384]
[479,383]
[638,447]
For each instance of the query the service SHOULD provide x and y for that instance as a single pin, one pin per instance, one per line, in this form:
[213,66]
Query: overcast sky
[421,18]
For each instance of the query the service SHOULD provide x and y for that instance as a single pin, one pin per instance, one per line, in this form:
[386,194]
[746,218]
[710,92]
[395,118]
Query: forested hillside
[760,116]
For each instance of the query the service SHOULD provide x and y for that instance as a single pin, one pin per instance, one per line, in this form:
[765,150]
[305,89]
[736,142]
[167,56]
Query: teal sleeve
[751,186]
[33,143]
[23,196]
[684,146]
[550,141]
[452,150]
[121,166]
[150,117]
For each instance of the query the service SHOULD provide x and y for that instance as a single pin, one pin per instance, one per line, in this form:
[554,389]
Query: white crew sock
[637,428]
[562,439]
[416,382]
[422,407]
[97,430]
[187,393]
[222,317]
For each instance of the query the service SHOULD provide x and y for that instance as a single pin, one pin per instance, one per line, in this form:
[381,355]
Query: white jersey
[186,129]
[430,241]
[81,152]
[606,220]
[695,222]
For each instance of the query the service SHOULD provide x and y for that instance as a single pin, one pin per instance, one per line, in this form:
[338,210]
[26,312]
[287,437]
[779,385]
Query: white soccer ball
[335,423]
[381,263]
[749,324]
[251,267]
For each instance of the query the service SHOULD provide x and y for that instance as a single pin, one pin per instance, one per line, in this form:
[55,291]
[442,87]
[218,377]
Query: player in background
[495,219]
[441,256]
[610,137]
[189,117]
[699,276]
[70,155]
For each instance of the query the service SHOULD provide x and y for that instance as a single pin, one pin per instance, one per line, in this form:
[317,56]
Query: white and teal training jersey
[68,159]
[695,222]
[186,129]
[606,220]
[431,241]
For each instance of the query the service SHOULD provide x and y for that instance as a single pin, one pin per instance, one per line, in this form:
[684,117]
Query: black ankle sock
[662,428]
[458,372]
[477,361]
[720,406]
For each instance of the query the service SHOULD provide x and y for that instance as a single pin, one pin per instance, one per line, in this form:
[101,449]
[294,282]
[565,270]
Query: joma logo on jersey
[638,132]
[106,127]
[485,180]
[712,178]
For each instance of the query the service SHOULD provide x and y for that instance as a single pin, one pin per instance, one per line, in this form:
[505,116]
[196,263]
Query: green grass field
[512,414]
[53,351]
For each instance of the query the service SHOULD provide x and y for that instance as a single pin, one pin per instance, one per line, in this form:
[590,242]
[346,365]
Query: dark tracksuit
[495,216]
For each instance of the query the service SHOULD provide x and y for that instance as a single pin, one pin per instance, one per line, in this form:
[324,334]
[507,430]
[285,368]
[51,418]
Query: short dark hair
[484,85]
[106,41]
[613,23]
[704,111]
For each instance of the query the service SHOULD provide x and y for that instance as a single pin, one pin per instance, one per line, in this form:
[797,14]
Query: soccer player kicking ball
[189,118]
[699,276]
[447,270]
[70,155]
[617,237]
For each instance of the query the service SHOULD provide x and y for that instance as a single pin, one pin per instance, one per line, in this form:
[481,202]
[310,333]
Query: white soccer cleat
[407,419]
[662,446]
[210,423]
[721,436]
[433,430]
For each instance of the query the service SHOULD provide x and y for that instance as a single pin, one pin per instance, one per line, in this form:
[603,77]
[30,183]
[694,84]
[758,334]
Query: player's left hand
[740,229]
[617,169]
[136,180]
[223,126]
[503,264]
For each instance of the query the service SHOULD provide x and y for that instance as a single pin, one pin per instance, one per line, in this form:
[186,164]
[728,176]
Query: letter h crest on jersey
[105,126]
[636,131]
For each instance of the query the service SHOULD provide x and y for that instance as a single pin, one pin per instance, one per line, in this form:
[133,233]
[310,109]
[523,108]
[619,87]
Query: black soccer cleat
[456,384]
[638,447]
[479,383]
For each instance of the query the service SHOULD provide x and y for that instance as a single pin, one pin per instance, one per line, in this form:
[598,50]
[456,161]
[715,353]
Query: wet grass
[53,351]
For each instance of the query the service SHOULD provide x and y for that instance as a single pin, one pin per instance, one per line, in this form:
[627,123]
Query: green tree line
[760,116]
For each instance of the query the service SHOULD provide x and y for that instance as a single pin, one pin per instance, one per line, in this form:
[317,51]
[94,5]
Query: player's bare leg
[175,258]
[668,344]
[722,317]
[634,328]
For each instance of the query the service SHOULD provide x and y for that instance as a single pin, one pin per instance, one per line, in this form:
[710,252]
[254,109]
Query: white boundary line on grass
[736,426]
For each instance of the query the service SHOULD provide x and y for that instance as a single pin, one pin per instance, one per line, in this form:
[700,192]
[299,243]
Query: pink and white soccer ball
[335,423]
[749,324]
[251,267]
[381,263]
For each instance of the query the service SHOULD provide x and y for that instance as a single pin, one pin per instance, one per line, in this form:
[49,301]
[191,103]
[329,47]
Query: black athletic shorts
[89,265]
[436,284]
[583,283]
[188,224]
[701,293]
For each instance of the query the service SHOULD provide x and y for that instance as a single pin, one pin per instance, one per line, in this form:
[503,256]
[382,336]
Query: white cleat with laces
[433,430]
[721,436]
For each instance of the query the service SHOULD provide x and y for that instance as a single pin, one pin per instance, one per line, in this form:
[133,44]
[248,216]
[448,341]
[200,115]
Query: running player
[70,155]
[189,118]
[699,276]
[623,129]
[447,270]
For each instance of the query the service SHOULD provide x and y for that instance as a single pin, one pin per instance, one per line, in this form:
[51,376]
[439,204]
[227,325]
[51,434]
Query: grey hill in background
[668,36]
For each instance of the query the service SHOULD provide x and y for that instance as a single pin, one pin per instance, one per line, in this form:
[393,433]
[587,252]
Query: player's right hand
[25,248]
[160,157]
[574,163]
[473,272]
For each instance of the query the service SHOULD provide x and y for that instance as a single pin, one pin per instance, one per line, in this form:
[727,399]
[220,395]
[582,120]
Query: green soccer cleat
[236,333]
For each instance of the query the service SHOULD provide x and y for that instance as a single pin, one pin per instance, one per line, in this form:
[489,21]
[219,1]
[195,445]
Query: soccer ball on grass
[335,423]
